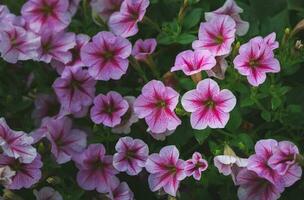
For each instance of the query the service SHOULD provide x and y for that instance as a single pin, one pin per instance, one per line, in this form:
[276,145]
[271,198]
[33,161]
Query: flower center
[172,169]
[108,55]
[16,166]
[109,109]
[130,154]
[47,9]
[219,39]
[254,63]
[209,103]
[46,47]
[98,165]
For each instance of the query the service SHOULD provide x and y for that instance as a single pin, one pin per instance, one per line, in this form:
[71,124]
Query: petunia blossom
[209,106]
[106,56]
[17,44]
[218,71]
[131,155]
[47,193]
[216,35]
[121,192]
[255,59]
[51,15]
[16,144]
[156,104]
[195,166]
[271,41]
[66,142]
[166,170]
[27,174]
[143,48]
[161,136]
[231,9]
[6,174]
[192,62]
[75,90]
[96,170]
[105,8]
[124,22]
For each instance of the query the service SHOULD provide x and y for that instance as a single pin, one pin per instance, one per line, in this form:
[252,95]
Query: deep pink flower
[209,105]
[75,62]
[192,62]
[105,8]
[56,46]
[283,161]
[51,15]
[75,89]
[195,166]
[143,48]
[27,174]
[96,170]
[106,56]
[47,193]
[254,187]
[16,144]
[108,109]
[218,71]
[121,192]
[255,59]
[166,170]
[156,104]
[73,6]
[124,22]
[17,44]
[128,119]
[131,155]
[66,142]
[216,35]
[233,10]
[6,175]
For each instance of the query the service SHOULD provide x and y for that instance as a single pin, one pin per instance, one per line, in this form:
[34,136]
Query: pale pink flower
[105,8]
[56,46]
[231,9]
[195,166]
[51,15]
[160,136]
[216,35]
[209,106]
[254,187]
[166,170]
[271,41]
[106,56]
[121,192]
[131,155]
[143,48]
[66,142]
[127,119]
[16,144]
[6,174]
[27,174]
[108,109]
[96,170]
[193,62]
[255,59]
[124,22]
[219,70]
[47,193]
[17,44]
[75,90]
[156,104]
[5,14]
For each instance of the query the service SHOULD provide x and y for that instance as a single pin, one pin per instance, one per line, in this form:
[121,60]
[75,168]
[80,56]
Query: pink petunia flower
[127,119]
[75,90]
[131,155]
[51,15]
[27,174]
[124,22]
[121,192]
[166,170]
[17,44]
[75,62]
[160,136]
[271,41]
[283,161]
[108,109]
[66,142]
[16,144]
[56,46]
[193,62]
[216,35]
[195,166]
[254,187]
[47,193]
[255,59]
[105,8]
[5,15]
[219,70]
[6,175]
[156,104]
[143,48]
[231,9]
[209,105]
[96,170]
[73,6]
[106,56]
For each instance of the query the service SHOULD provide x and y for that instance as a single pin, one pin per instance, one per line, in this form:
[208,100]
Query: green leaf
[202,135]
[297,5]
[193,18]
[234,121]
[247,101]
[185,38]
[266,115]
[275,102]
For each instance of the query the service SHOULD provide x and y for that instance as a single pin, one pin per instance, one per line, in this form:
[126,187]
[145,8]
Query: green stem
[138,69]
[150,62]
[149,21]
[182,11]
[300,160]
[222,132]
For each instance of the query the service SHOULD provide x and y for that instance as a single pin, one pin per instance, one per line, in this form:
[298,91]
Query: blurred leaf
[266,115]
[202,135]
[185,38]
[192,18]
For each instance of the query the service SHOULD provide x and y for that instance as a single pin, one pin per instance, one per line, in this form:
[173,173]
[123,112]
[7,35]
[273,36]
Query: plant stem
[182,11]
[149,21]
[150,62]
[138,69]
[196,77]
[225,133]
